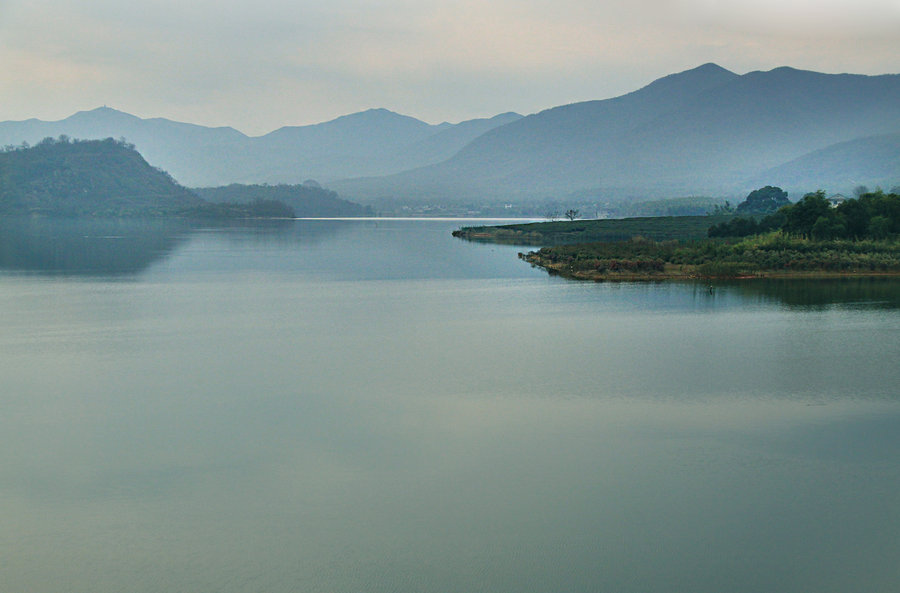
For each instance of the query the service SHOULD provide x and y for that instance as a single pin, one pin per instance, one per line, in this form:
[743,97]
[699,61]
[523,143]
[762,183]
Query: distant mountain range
[705,131]
[373,142]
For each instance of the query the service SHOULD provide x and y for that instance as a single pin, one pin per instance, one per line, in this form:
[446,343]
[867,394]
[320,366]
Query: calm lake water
[375,406]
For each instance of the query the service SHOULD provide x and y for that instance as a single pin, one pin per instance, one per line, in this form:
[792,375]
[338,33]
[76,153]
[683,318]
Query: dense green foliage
[774,252]
[86,178]
[874,215]
[764,200]
[741,226]
[306,201]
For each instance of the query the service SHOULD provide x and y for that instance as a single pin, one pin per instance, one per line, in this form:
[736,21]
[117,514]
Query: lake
[375,406]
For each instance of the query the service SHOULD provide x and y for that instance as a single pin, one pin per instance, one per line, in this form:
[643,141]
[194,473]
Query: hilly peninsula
[110,178]
[87,178]
[812,237]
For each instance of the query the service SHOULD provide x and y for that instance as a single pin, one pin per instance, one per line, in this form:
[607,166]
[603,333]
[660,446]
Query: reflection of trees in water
[87,246]
[800,294]
[818,293]
[114,247]
[121,247]
[278,232]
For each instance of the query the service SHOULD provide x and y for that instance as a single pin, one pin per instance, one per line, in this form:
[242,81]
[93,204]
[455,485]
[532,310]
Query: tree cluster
[741,226]
[764,200]
[873,215]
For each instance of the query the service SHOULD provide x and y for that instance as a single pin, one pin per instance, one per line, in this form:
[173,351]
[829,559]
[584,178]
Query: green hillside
[86,178]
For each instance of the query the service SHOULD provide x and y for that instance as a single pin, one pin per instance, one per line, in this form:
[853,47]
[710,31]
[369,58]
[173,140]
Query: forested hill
[307,200]
[86,178]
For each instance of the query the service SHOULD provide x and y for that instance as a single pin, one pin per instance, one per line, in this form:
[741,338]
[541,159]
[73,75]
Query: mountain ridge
[710,139]
[371,142]
[703,131]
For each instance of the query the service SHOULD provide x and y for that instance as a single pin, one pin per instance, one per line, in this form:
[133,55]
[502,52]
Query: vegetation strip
[542,234]
[770,255]
[810,238]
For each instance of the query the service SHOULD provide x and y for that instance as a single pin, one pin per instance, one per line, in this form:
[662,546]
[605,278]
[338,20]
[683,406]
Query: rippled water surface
[354,406]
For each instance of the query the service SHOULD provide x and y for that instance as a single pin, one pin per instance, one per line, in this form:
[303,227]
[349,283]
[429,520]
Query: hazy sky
[259,65]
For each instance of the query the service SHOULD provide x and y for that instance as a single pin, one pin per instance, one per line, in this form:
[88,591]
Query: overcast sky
[259,65]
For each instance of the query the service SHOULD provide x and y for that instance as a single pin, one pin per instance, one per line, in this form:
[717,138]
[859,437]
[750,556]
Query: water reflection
[123,247]
[372,406]
[92,247]
[739,295]
[813,294]
[87,247]
[277,232]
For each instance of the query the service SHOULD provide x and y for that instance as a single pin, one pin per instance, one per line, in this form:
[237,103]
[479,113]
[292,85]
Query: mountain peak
[102,113]
[700,78]
[672,91]
[379,114]
[379,111]
[711,67]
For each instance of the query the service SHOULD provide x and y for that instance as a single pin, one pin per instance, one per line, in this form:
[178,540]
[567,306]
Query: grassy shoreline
[773,255]
[542,234]
[677,248]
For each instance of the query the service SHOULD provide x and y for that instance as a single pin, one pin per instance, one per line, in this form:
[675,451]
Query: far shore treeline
[109,178]
[306,200]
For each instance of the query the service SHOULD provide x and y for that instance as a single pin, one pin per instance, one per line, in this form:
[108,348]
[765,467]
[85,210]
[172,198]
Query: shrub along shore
[761,256]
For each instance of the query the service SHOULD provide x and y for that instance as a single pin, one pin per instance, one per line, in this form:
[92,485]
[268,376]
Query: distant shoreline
[422,218]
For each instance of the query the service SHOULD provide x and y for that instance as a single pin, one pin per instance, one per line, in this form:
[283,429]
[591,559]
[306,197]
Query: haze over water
[375,406]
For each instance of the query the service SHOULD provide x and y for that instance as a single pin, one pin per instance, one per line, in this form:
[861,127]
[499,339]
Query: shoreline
[688,272]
